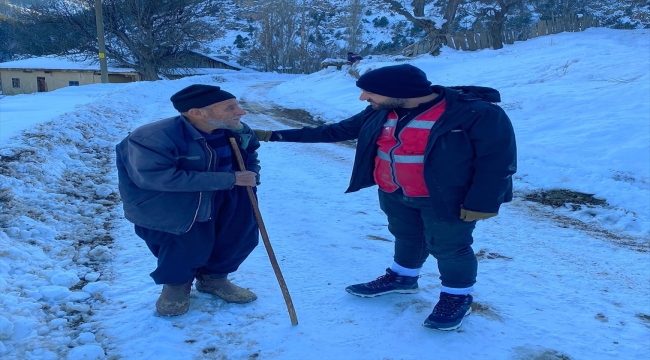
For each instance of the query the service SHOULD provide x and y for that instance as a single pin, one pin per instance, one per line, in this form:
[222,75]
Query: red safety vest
[400,161]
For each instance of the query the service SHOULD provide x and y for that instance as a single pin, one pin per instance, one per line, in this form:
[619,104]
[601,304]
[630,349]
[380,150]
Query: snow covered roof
[219,58]
[205,71]
[57,63]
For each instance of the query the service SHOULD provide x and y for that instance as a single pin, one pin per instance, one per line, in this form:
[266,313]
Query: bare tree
[418,7]
[311,51]
[287,37]
[494,14]
[277,34]
[451,9]
[436,34]
[320,46]
[353,24]
[151,36]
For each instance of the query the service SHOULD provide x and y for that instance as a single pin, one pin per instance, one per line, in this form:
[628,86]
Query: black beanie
[397,81]
[199,96]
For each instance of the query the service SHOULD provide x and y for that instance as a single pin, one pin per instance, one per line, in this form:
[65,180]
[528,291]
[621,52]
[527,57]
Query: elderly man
[187,200]
[443,158]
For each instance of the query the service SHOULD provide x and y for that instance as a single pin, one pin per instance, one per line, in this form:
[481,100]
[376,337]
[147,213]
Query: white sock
[402,271]
[457,291]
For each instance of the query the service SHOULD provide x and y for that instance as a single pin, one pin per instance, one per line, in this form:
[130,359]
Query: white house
[52,72]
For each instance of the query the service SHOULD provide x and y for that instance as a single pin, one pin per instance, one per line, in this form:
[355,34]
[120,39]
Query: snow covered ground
[554,283]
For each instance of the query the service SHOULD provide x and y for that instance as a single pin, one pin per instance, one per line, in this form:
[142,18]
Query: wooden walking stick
[265,238]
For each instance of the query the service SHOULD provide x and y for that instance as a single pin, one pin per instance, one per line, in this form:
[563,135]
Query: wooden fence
[480,39]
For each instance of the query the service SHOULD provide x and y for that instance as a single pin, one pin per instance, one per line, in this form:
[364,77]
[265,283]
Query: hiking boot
[449,312]
[385,284]
[223,288]
[174,299]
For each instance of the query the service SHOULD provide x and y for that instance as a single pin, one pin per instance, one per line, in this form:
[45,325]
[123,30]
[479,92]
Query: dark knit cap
[199,96]
[397,81]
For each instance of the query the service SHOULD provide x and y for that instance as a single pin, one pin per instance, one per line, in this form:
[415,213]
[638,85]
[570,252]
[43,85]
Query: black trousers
[215,247]
[420,232]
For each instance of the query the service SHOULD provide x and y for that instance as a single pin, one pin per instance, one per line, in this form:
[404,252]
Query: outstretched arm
[347,129]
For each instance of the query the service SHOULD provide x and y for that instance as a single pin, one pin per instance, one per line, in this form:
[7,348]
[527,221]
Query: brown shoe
[174,299]
[223,288]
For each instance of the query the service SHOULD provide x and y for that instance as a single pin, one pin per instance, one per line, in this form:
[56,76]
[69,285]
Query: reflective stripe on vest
[400,160]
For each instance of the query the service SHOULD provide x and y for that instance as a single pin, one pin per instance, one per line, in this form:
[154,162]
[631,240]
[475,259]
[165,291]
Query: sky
[568,282]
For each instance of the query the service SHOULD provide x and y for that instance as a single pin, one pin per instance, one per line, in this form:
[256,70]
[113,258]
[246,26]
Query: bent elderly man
[443,158]
[187,200]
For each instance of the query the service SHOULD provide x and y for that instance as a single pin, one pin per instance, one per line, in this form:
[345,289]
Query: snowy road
[540,284]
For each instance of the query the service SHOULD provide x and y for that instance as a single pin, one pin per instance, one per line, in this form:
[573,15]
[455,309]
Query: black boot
[449,312]
[386,284]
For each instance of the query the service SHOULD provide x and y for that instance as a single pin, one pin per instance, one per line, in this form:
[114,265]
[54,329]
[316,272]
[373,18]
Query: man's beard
[389,104]
[225,124]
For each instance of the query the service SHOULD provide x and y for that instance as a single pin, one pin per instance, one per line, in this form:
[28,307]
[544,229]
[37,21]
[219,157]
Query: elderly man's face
[380,102]
[224,115]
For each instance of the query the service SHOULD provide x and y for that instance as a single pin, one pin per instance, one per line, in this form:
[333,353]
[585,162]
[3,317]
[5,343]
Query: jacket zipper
[196,212]
[198,206]
[398,137]
[391,152]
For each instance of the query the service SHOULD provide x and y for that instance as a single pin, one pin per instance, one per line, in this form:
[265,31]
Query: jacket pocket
[457,140]
[147,198]
[453,197]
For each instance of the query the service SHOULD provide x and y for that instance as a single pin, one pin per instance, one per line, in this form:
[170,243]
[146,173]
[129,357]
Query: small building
[197,59]
[198,63]
[49,73]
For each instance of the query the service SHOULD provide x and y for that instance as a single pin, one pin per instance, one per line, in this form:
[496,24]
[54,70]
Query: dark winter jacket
[469,159]
[166,174]
[352,57]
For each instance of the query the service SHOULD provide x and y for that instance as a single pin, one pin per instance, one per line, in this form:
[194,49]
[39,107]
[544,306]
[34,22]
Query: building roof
[204,71]
[220,58]
[57,63]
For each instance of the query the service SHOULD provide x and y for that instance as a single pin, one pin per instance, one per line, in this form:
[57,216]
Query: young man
[443,158]
[186,198]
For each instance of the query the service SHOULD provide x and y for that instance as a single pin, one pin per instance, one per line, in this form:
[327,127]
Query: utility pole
[99,20]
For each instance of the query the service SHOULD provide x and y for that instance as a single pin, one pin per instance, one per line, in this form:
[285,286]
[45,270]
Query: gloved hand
[469,215]
[263,135]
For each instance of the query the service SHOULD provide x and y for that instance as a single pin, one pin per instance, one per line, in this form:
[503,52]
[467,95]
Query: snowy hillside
[381,28]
